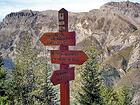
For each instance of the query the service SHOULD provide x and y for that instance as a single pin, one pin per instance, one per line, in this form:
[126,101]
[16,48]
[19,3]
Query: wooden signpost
[58,38]
[64,56]
[68,57]
[60,76]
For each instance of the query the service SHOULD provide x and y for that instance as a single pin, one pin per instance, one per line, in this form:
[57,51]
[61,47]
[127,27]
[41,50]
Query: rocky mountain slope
[114,30]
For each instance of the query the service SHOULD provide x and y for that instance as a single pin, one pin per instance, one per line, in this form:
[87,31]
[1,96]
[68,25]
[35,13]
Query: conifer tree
[110,96]
[125,96]
[91,82]
[2,79]
[119,96]
[3,97]
[6,86]
[31,75]
[49,90]
[23,73]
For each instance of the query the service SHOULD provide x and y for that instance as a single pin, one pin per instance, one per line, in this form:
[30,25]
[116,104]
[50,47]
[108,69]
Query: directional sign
[68,57]
[58,38]
[60,76]
[63,56]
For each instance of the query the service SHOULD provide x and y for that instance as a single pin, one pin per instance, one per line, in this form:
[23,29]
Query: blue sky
[7,6]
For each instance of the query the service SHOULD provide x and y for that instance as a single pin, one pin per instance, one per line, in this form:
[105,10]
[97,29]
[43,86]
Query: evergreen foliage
[49,91]
[29,83]
[110,97]
[125,96]
[91,82]
[3,97]
[121,96]
[31,77]
[100,91]
[6,86]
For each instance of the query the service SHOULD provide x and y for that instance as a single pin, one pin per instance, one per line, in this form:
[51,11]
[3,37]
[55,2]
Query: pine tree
[3,97]
[91,83]
[23,73]
[110,96]
[32,76]
[125,95]
[50,92]
[119,96]
[2,80]
[47,92]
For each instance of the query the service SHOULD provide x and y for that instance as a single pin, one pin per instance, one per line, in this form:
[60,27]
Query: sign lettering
[61,16]
[68,57]
[58,38]
[60,76]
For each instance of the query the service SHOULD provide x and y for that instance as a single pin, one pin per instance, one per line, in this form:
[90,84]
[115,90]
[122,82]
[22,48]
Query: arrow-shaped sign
[68,57]
[60,76]
[58,38]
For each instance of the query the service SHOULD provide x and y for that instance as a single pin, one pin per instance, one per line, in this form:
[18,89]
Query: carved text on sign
[60,76]
[61,16]
[68,57]
[58,38]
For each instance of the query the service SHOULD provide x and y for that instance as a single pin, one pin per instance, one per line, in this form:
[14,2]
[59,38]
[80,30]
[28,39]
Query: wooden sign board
[60,76]
[68,57]
[58,38]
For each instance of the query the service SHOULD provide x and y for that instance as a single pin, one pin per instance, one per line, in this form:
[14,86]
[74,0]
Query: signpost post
[63,27]
[64,56]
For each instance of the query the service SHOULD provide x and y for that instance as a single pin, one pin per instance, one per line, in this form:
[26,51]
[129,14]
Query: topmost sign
[63,20]
[58,38]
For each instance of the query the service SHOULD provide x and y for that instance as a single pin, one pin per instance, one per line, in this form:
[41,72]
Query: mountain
[114,30]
